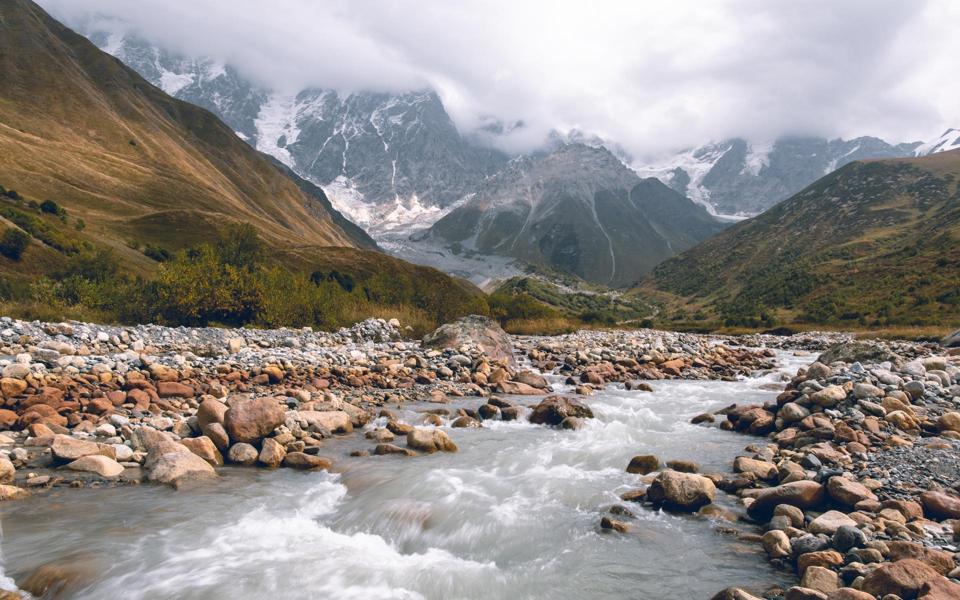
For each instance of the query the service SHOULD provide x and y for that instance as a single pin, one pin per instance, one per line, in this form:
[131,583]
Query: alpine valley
[396,164]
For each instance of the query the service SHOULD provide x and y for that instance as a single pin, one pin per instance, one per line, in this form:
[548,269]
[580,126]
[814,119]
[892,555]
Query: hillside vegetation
[874,244]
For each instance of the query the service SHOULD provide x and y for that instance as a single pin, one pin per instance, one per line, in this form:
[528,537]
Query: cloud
[654,76]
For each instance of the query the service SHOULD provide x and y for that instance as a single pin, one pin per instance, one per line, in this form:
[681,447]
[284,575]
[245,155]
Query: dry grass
[543,326]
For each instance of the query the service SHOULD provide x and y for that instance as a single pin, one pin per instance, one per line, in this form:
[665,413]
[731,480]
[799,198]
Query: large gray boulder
[474,330]
[856,351]
[952,340]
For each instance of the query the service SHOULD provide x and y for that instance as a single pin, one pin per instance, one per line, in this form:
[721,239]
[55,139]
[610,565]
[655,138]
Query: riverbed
[514,514]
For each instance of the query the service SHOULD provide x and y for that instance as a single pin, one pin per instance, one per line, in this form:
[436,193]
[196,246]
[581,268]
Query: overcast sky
[653,76]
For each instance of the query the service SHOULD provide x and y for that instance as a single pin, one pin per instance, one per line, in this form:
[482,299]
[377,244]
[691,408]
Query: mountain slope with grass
[875,243]
[80,128]
[120,203]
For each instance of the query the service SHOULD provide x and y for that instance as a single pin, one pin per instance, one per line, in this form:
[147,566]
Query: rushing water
[514,514]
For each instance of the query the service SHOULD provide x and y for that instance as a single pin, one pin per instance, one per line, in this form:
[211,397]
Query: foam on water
[514,514]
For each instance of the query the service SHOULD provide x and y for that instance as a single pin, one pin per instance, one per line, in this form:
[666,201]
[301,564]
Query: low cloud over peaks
[654,77]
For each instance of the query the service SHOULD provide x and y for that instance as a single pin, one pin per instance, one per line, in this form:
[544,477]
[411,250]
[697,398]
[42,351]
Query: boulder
[430,440]
[334,421]
[940,505]
[474,330]
[681,491]
[7,471]
[905,578]
[385,449]
[734,593]
[856,351]
[271,453]
[848,492]
[243,453]
[777,544]
[103,466]
[532,379]
[173,464]
[829,396]
[204,448]
[801,494]
[643,464]
[759,469]
[829,522]
[940,560]
[210,411]
[174,389]
[250,420]
[66,448]
[820,579]
[554,409]
[940,589]
[952,340]
[949,422]
[305,462]
[12,492]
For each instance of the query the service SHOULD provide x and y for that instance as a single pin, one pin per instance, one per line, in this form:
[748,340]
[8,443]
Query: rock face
[474,330]
[681,491]
[249,421]
[430,441]
[737,177]
[578,209]
[554,409]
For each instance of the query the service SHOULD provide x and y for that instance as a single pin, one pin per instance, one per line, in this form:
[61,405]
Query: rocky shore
[857,473]
[854,487]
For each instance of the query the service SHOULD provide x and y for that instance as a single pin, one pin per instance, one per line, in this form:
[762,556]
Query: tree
[51,207]
[13,242]
[240,246]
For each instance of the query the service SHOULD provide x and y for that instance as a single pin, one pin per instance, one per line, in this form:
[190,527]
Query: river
[514,514]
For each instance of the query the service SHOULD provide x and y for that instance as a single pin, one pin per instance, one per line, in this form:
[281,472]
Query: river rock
[554,409]
[101,465]
[334,421]
[386,449]
[829,522]
[681,491]
[759,469]
[210,411]
[939,505]
[12,492]
[7,471]
[848,492]
[250,420]
[777,544]
[172,463]
[305,462]
[243,453]
[643,464]
[904,578]
[856,351]
[67,448]
[940,560]
[828,396]
[474,330]
[204,447]
[801,494]
[430,440]
[848,537]
[940,589]
[271,453]
[820,579]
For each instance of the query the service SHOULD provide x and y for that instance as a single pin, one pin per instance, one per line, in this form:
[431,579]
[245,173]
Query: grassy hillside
[120,203]
[79,127]
[874,244]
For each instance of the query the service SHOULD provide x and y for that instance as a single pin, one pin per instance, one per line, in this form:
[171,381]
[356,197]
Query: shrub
[52,208]
[13,242]
[157,253]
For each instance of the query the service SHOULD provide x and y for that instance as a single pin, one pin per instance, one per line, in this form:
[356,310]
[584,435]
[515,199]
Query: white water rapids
[514,514]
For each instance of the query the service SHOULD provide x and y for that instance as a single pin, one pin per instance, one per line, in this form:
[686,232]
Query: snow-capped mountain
[741,178]
[578,209]
[949,140]
[390,162]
